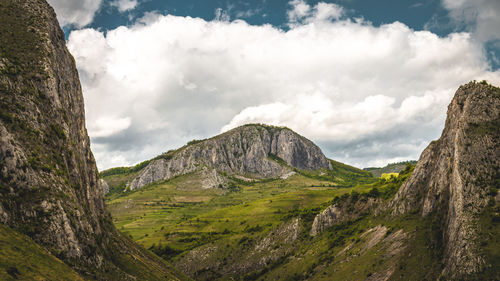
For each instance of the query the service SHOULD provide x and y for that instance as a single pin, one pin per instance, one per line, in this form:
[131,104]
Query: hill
[251,151]
[248,153]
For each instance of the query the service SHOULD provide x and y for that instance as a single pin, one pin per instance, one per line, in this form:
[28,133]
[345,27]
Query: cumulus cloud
[75,12]
[221,15]
[301,12]
[366,94]
[482,17]
[124,5]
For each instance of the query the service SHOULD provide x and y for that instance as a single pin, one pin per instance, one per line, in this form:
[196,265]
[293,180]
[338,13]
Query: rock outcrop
[105,186]
[345,209]
[49,184]
[256,151]
[453,175]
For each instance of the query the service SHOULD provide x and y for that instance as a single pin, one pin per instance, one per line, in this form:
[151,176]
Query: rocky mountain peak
[250,151]
[454,174]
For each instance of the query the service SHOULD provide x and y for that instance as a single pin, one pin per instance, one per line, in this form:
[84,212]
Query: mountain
[456,177]
[251,151]
[49,184]
[389,168]
[452,194]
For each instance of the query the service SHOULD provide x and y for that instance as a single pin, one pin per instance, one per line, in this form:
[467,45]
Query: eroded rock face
[328,217]
[105,186]
[251,150]
[349,209]
[452,177]
[49,185]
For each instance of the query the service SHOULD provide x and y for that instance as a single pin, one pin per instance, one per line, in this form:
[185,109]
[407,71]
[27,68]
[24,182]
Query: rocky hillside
[250,151]
[455,175]
[49,184]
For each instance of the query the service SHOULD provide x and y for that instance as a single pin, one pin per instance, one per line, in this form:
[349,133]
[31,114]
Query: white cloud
[366,94]
[300,9]
[221,15]
[301,12]
[124,5]
[482,17]
[75,12]
[108,126]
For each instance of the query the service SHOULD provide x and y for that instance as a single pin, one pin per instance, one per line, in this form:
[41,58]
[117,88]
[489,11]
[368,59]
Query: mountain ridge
[249,151]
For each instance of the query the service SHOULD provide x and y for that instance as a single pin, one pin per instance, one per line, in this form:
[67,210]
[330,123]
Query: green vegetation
[341,175]
[21,42]
[387,176]
[389,168]
[23,259]
[175,206]
[124,170]
[173,218]
[485,128]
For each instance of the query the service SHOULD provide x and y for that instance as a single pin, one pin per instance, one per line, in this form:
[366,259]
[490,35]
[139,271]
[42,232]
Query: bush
[374,192]
[166,252]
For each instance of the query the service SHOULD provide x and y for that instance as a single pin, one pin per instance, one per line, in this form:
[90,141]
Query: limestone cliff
[49,185]
[450,187]
[256,151]
[453,175]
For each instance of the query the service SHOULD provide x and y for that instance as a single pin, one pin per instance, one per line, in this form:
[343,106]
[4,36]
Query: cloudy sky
[369,81]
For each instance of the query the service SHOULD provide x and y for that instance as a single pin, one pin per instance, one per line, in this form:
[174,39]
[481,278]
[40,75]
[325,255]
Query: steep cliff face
[454,174]
[256,151]
[49,186]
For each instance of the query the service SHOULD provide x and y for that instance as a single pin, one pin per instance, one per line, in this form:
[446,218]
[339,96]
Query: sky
[368,81]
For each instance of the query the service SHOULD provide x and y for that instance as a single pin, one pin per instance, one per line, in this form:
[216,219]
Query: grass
[23,259]
[209,232]
[175,217]
[490,239]
[147,214]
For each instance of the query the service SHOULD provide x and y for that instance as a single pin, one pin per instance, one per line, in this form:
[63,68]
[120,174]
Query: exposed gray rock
[210,178]
[328,217]
[105,186]
[453,174]
[255,151]
[349,209]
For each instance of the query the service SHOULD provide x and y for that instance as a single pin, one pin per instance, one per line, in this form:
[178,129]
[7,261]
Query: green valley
[248,221]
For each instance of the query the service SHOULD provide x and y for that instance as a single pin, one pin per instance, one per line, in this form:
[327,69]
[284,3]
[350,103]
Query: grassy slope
[168,207]
[225,228]
[148,213]
[139,262]
[23,259]
[183,217]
